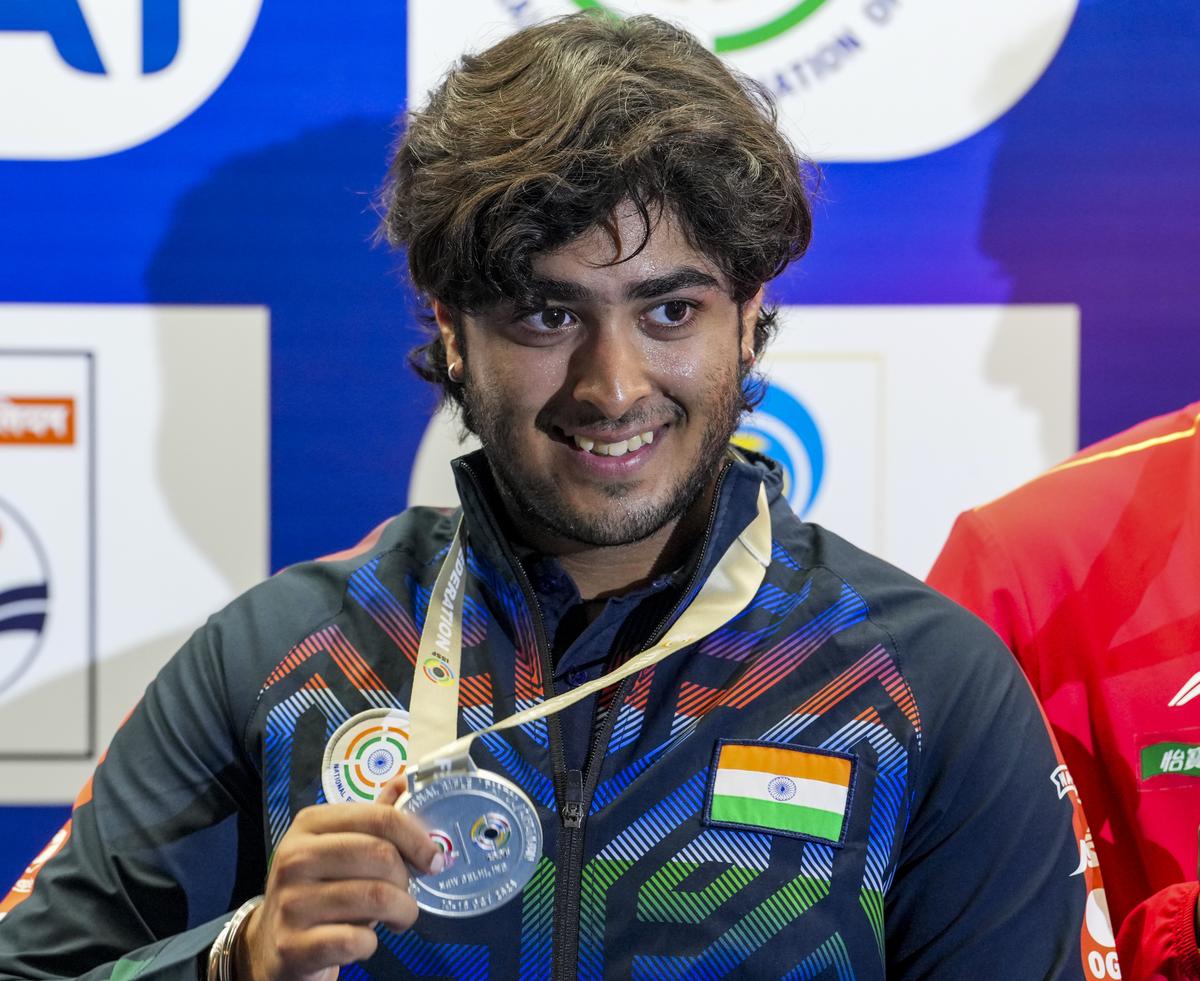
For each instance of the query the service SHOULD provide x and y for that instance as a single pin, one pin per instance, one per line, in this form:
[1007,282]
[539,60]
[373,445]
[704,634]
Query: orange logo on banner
[39,421]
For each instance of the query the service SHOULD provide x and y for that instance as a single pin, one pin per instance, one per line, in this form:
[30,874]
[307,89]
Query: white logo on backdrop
[147,498]
[98,76]
[855,79]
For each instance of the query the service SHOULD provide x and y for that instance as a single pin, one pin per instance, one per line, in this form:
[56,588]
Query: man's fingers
[352,902]
[341,855]
[402,830]
[326,946]
[392,790]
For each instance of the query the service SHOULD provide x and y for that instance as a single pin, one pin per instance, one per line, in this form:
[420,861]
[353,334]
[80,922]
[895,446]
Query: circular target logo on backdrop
[24,594]
[841,71]
[97,77]
[783,429]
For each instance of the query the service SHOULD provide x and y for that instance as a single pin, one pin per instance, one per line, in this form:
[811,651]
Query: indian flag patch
[776,788]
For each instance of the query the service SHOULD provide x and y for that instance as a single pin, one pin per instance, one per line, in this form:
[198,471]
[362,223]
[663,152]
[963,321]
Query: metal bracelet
[220,955]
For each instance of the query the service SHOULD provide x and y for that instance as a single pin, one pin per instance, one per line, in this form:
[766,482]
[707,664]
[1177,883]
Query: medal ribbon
[727,591]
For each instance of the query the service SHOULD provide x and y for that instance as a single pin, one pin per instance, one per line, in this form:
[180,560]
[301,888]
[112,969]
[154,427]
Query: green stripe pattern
[661,900]
[772,815]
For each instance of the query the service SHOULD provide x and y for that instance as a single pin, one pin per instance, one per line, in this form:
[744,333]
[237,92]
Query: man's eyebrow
[558,289]
[646,289]
[684,278]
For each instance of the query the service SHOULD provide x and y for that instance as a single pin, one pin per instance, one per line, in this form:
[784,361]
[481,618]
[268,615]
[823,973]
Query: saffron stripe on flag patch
[782,789]
[786,761]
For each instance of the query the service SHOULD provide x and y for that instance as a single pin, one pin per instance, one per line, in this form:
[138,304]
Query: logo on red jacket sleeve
[1096,940]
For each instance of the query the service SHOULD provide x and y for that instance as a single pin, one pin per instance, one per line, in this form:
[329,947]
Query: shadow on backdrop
[1092,200]
[289,227]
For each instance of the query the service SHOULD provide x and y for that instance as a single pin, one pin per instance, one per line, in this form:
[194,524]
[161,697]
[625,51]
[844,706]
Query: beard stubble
[631,517]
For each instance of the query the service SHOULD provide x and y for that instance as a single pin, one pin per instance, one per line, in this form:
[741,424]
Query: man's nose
[611,371]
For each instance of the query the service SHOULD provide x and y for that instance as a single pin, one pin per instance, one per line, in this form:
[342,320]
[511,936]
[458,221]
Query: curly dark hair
[529,144]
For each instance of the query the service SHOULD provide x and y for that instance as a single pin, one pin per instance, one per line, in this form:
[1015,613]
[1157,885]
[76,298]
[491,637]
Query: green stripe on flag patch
[774,816]
[1165,759]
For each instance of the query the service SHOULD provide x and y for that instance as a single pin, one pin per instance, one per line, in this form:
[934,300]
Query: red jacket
[1091,574]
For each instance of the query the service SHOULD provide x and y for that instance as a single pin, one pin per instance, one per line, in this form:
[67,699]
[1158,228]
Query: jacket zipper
[573,788]
[568,884]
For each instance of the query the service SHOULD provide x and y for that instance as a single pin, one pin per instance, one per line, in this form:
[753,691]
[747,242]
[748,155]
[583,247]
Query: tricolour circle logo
[364,753]
[783,429]
[24,594]
[97,77]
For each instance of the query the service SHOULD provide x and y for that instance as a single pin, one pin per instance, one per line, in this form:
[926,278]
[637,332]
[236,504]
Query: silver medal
[489,835]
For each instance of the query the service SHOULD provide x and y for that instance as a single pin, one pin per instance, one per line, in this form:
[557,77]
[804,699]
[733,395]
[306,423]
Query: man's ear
[449,332]
[750,311]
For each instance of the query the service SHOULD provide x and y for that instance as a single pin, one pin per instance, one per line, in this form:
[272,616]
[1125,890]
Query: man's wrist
[221,956]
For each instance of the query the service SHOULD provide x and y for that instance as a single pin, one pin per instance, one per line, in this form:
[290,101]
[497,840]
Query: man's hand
[338,871]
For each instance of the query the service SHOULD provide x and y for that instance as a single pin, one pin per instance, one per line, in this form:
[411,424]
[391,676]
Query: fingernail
[438,864]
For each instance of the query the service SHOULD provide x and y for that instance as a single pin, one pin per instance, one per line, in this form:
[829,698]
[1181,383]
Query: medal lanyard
[727,591]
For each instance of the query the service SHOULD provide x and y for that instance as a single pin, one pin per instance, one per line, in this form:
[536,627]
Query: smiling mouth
[598,447]
[619,448]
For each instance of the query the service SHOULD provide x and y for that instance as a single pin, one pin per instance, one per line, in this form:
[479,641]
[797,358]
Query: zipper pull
[572,809]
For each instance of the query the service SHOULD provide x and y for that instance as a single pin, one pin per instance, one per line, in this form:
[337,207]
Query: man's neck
[602,571]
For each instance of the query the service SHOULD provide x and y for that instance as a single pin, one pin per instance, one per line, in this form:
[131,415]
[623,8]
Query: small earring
[749,358]
[454,372]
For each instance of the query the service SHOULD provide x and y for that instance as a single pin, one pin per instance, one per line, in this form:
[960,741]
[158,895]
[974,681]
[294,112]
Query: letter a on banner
[63,21]
[67,26]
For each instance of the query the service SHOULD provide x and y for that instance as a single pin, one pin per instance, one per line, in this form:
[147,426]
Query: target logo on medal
[783,429]
[491,832]
[781,788]
[437,670]
[24,594]
[363,754]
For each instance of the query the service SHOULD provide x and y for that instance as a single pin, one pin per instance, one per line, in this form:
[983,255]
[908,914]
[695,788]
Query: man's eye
[550,319]
[673,313]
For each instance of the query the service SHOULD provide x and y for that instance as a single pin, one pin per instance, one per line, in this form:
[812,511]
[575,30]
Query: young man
[815,766]
[1090,574]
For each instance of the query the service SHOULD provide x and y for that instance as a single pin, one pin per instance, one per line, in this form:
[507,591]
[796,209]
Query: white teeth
[614,449]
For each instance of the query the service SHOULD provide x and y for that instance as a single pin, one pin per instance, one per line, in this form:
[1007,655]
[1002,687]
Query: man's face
[604,412]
